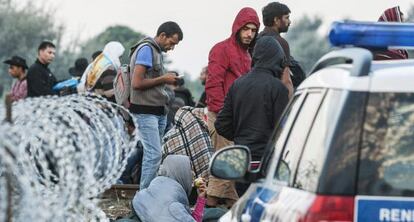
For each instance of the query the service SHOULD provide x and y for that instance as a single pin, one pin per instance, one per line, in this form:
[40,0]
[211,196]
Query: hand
[130,127]
[201,187]
[170,78]
[8,97]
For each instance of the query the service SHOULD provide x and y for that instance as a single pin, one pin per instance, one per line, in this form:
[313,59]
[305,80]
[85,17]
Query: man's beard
[249,42]
[239,40]
[284,28]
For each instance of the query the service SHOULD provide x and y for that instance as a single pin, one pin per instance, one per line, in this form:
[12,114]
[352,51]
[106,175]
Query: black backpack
[298,75]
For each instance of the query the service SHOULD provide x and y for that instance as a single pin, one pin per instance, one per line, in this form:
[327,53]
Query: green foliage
[305,24]
[23,28]
[123,34]
[306,45]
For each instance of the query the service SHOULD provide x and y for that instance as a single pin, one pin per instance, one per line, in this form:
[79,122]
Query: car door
[385,188]
[291,135]
[303,169]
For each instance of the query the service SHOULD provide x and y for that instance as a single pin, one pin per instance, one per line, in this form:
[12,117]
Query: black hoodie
[256,100]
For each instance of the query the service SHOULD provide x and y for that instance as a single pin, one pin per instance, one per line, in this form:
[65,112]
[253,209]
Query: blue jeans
[151,130]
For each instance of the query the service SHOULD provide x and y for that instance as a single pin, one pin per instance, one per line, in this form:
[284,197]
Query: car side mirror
[230,163]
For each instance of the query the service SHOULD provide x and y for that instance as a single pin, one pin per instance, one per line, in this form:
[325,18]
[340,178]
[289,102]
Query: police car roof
[384,76]
[355,69]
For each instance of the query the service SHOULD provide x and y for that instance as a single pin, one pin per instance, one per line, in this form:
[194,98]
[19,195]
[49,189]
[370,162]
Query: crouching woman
[166,198]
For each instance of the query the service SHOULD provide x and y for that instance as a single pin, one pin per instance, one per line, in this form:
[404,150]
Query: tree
[123,34]
[306,45]
[23,28]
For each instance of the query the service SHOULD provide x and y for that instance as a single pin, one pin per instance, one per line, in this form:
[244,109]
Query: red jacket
[227,61]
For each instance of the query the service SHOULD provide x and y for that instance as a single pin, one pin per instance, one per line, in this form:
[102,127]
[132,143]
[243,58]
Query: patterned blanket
[189,136]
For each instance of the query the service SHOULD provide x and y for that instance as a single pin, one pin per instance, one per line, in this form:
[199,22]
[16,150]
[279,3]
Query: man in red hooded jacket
[227,61]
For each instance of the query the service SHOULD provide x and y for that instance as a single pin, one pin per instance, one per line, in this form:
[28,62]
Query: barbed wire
[59,154]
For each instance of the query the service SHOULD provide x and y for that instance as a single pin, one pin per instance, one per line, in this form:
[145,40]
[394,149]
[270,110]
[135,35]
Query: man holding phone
[149,97]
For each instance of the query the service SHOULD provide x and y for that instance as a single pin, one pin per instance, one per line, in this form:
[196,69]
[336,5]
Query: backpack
[298,75]
[122,86]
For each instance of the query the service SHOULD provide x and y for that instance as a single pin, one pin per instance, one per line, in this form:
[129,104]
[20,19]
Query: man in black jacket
[255,101]
[40,80]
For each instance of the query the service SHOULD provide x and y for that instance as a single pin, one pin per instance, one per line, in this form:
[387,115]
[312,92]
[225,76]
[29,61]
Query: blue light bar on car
[372,34]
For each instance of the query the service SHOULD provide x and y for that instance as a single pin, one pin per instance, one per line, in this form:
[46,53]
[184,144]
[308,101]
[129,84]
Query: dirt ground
[115,208]
[116,201]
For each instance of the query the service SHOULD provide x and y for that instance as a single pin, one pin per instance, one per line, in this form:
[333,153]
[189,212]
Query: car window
[339,173]
[285,121]
[317,144]
[293,148]
[387,152]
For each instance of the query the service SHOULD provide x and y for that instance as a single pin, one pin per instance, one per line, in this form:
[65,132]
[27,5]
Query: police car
[344,148]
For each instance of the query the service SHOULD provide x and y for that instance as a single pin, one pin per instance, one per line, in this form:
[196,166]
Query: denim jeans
[151,130]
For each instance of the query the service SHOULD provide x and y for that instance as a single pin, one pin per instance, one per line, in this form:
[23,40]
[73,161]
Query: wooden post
[9,191]
[8,102]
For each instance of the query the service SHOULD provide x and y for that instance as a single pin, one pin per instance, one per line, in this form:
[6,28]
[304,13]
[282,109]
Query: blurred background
[81,27]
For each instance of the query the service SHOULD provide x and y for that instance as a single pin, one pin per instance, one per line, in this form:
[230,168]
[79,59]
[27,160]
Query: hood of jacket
[245,16]
[164,200]
[269,55]
[170,190]
[391,15]
[178,168]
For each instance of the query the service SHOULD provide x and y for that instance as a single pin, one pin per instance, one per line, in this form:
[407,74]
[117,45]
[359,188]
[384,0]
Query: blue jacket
[164,200]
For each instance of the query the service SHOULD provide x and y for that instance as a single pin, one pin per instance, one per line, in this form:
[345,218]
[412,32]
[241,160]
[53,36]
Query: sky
[204,23]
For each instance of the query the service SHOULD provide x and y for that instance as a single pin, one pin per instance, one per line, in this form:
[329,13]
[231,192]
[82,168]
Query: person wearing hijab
[99,75]
[391,15]
[166,198]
